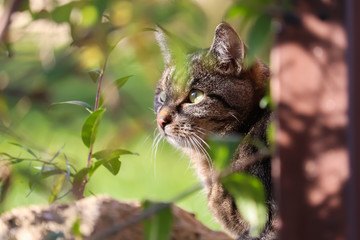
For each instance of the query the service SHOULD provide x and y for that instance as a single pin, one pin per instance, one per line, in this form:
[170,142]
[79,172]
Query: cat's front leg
[224,209]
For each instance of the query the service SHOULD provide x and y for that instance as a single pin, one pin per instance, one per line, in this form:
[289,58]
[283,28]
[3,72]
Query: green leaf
[58,184]
[94,166]
[113,165]
[90,127]
[259,35]
[76,228]
[111,153]
[121,81]
[270,133]
[249,195]
[264,102]
[158,226]
[110,159]
[95,74]
[82,104]
[222,150]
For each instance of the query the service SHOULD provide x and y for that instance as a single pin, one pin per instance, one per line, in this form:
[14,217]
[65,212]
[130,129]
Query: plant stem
[96,106]
[97,99]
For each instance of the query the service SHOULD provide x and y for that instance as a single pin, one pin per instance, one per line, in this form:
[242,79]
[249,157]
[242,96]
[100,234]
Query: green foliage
[110,159]
[76,228]
[85,105]
[249,194]
[95,74]
[158,226]
[44,71]
[257,14]
[121,81]
[90,127]
[222,150]
[259,35]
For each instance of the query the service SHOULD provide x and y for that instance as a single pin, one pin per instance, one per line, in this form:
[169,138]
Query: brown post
[353,62]
[310,85]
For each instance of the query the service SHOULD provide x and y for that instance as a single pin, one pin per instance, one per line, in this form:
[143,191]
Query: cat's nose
[162,121]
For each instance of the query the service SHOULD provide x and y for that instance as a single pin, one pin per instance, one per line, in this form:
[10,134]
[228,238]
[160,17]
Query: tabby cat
[216,93]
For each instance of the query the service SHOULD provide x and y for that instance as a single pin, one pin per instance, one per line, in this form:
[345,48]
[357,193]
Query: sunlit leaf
[89,15]
[90,127]
[110,159]
[57,186]
[82,104]
[95,74]
[264,102]
[121,81]
[249,195]
[158,226]
[111,153]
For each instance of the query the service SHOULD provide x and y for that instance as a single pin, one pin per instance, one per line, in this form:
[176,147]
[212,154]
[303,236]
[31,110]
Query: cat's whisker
[202,140]
[199,131]
[233,115]
[203,130]
[154,149]
[203,150]
[197,150]
[156,142]
[188,145]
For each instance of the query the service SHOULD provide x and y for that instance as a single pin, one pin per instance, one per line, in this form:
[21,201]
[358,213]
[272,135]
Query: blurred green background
[46,57]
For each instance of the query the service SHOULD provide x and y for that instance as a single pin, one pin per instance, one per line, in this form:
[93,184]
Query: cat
[214,92]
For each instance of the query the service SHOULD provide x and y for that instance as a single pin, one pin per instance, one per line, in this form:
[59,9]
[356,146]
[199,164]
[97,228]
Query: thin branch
[6,18]
[80,193]
[96,106]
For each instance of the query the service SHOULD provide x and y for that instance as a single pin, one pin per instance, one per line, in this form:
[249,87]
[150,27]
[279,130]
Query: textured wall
[310,85]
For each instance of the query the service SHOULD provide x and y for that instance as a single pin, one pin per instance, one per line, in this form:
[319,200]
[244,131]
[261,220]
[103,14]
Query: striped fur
[230,105]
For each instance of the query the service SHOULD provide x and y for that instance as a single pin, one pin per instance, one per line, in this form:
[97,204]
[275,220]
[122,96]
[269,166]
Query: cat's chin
[174,141]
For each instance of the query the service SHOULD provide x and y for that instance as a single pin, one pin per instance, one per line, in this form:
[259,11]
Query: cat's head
[213,92]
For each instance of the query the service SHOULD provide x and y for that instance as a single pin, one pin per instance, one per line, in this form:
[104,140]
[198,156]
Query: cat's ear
[162,39]
[228,49]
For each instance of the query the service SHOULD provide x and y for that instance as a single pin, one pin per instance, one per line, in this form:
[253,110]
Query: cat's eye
[162,97]
[196,96]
